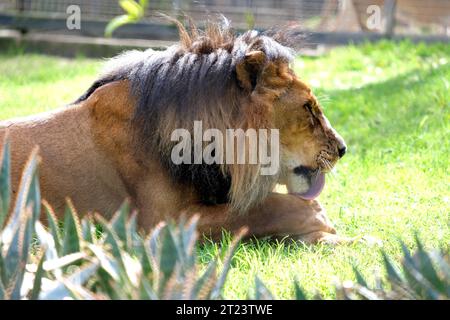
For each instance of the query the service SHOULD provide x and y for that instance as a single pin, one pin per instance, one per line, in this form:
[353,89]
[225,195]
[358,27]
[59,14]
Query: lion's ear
[250,68]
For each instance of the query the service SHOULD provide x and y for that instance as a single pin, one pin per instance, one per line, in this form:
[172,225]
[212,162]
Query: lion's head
[310,147]
[228,82]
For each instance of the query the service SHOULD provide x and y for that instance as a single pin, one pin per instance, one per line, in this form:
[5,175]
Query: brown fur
[99,152]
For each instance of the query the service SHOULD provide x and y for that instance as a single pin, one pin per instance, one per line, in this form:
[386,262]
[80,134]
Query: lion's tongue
[316,188]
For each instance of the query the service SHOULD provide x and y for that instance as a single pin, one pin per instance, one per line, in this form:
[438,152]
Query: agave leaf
[119,222]
[359,277]
[227,264]
[133,239]
[427,269]
[64,261]
[366,293]
[181,255]
[26,238]
[5,181]
[108,286]
[2,291]
[54,228]
[393,274]
[16,256]
[145,260]
[167,256]
[146,291]
[261,291]
[420,284]
[3,275]
[111,239]
[38,278]
[415,279]
[72,231]
[443,267]
[22,196]
[299,293]
[88,229]
[106,261]
[153,243]
[78,292]
[34,196]
[189,238]
[59,289]
[203,286]
[47,241]
[133,268]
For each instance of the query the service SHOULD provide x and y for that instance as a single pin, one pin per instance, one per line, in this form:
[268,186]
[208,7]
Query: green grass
[391,102]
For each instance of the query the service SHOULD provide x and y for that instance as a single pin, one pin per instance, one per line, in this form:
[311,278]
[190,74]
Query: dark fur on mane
[193,80]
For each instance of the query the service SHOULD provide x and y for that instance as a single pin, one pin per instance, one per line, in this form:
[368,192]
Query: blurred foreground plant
[82,263]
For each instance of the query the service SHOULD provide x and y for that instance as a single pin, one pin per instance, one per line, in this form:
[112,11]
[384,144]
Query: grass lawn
[391,103]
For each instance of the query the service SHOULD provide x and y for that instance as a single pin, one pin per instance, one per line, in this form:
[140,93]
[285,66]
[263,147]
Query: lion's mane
[196,80]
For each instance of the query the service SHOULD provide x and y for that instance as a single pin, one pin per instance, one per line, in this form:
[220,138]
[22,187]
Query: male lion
[115,142]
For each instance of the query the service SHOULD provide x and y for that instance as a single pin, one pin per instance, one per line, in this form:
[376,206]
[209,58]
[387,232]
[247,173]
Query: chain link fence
[413,17]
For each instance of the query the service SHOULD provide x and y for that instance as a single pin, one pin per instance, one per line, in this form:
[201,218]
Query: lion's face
[309,145]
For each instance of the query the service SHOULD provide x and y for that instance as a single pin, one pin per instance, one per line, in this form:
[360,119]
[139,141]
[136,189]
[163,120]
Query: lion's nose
[342,150]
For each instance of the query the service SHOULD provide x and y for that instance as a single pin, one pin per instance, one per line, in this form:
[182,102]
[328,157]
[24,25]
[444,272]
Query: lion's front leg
[287,216]
[279,216]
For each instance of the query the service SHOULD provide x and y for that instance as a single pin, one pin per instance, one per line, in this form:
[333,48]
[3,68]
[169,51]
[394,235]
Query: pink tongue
[316,188]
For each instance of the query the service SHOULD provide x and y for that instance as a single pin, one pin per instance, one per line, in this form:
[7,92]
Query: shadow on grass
[393,110]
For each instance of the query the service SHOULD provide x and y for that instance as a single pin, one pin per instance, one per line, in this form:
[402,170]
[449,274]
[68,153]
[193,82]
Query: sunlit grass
[390,101]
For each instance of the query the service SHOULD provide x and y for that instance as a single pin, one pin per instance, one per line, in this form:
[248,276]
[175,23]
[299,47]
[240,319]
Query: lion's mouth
[316,182]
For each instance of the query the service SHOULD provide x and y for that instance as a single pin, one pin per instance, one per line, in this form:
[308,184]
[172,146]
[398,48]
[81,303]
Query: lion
[114,142]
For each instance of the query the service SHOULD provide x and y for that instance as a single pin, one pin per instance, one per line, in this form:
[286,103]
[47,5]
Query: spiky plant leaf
[65,261]
[261,291]
[38,279]
[133,239]
[5,180]
[146,291]
[2,291]
[167,257]
[107,285]
[72,231]
[34,196]
[77,292]
[188,235]
[59,290]
[111,239]
[53,226]
[119,224]
[88,229]
[28,176]
[145,260]
[425,265]
[298,292]
[47,241]
[359,277]
[17,255]
[107,262]
[203,286]
[391,270]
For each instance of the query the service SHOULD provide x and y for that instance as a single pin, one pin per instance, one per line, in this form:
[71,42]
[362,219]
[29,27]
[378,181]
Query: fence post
[389,13]
[20,5]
